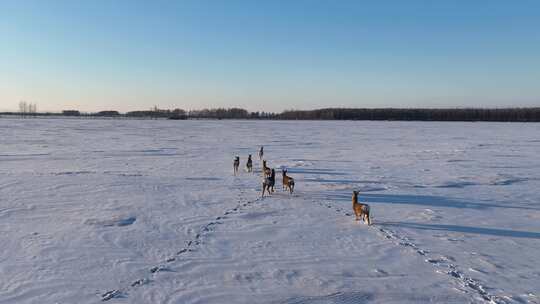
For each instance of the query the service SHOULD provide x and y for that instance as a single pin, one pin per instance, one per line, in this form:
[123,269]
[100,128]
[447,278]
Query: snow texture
[148,211]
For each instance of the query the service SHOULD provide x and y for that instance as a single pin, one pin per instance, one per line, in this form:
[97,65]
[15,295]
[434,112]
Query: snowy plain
[148,211]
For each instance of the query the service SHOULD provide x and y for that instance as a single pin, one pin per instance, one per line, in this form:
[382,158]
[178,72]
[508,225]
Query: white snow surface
[148,211]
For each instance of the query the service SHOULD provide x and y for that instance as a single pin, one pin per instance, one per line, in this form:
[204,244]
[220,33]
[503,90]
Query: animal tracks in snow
[190,246]
[443,264]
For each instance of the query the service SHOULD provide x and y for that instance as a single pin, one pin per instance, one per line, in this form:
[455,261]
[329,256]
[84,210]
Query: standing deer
[288,182]
[249,164]
[236,164]
[261,153]
[360,210]
[265,170]
[268,183]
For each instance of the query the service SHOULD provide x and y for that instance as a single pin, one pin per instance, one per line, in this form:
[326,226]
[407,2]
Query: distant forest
[472,114]
[508,114]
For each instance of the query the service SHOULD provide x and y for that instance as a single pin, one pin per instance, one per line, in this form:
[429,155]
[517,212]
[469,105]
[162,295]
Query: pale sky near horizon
[268,55]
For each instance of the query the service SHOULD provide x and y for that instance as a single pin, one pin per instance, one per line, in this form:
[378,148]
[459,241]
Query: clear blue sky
[268,55]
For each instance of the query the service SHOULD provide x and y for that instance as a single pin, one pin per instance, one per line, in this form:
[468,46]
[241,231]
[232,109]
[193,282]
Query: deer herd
[361,211]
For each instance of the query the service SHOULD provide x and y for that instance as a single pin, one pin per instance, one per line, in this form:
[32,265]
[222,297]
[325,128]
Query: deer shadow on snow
[419,200]
[466,229]
[434,201]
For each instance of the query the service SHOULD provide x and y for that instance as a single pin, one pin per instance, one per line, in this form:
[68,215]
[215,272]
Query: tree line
[155,112]
[229,113]
[471,114]
[531,114]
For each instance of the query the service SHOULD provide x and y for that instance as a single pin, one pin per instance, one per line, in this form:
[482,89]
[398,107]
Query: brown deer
[265,170]
[268,183]
[288,182]
[360,210]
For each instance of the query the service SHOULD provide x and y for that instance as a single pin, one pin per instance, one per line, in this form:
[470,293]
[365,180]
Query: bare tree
[23,108]
[32,108]
[26,108]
